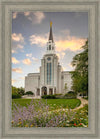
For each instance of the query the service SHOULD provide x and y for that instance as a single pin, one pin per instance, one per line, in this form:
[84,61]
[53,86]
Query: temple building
[51,79]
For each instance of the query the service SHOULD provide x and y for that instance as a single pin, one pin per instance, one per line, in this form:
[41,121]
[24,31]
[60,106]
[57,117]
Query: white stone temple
[51,79]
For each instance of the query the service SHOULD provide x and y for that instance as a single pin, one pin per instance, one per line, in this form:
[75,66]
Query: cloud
[35,17]
[26,13]
[20,46]
[27,61]
[39,16]
[14,60]
[18,70]
[71,43]
[29,55]
[13,51]
[13,81]
[15,15]
[17,37]
[16,47]
[35,59]
[62,43]
[38,40]
[22,78]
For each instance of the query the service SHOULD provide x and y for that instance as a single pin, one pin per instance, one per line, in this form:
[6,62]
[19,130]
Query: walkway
[83,102]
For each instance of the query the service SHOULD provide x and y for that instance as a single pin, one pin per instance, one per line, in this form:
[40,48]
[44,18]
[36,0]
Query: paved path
[30,97]
[83,102]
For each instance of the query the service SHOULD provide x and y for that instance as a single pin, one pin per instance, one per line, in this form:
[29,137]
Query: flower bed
[39,114]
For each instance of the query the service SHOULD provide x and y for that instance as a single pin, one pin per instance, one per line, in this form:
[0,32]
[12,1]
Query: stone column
[47,90]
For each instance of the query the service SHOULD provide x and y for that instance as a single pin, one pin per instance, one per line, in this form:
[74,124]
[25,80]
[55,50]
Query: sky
[30,33]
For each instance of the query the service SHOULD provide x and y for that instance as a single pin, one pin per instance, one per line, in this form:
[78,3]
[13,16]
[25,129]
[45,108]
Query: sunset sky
[30,32]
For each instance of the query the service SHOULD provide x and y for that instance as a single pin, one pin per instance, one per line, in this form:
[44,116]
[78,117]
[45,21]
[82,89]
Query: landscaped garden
[56,110]
[48,113]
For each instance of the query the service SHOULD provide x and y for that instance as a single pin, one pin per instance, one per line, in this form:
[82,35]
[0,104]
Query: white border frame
[6,8]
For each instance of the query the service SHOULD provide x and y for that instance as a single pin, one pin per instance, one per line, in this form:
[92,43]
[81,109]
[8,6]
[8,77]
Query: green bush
[15,95]
[29,93]
[70,94]
[48,96]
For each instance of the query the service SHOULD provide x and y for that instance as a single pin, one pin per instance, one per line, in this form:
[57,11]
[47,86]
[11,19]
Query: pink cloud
[17,37]
[15,61]
[71,43]
[15,15]
[62,44]
[18,70]
[13,81]
[27,61]
[26,13]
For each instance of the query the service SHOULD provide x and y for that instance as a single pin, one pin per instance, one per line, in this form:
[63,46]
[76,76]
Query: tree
[80,75]
[19,91]
[14,89]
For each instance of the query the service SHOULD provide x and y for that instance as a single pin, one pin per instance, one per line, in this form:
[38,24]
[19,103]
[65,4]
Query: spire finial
[51,35]
[50,23]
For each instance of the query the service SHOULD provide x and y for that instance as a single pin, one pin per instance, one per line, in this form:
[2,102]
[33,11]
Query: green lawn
[54,103]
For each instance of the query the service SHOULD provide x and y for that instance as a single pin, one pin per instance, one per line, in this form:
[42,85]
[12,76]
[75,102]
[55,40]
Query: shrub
[15,95]
[29,93]
[70,94]
[49,96]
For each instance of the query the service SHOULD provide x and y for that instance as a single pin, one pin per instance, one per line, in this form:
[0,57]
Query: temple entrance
[44,90]
[50,91]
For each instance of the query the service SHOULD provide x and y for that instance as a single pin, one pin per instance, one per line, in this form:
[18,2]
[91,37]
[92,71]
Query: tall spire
[51,35]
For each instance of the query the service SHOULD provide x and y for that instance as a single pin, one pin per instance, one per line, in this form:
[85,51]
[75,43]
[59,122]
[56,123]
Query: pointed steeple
[50,34]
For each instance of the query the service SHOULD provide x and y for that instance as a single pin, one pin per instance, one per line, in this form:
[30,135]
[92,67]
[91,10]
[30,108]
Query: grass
[53,103]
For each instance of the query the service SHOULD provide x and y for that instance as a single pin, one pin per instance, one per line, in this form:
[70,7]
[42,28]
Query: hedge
[48,96]
[15,95]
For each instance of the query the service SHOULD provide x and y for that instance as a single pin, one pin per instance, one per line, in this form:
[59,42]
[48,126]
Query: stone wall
[32,82]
